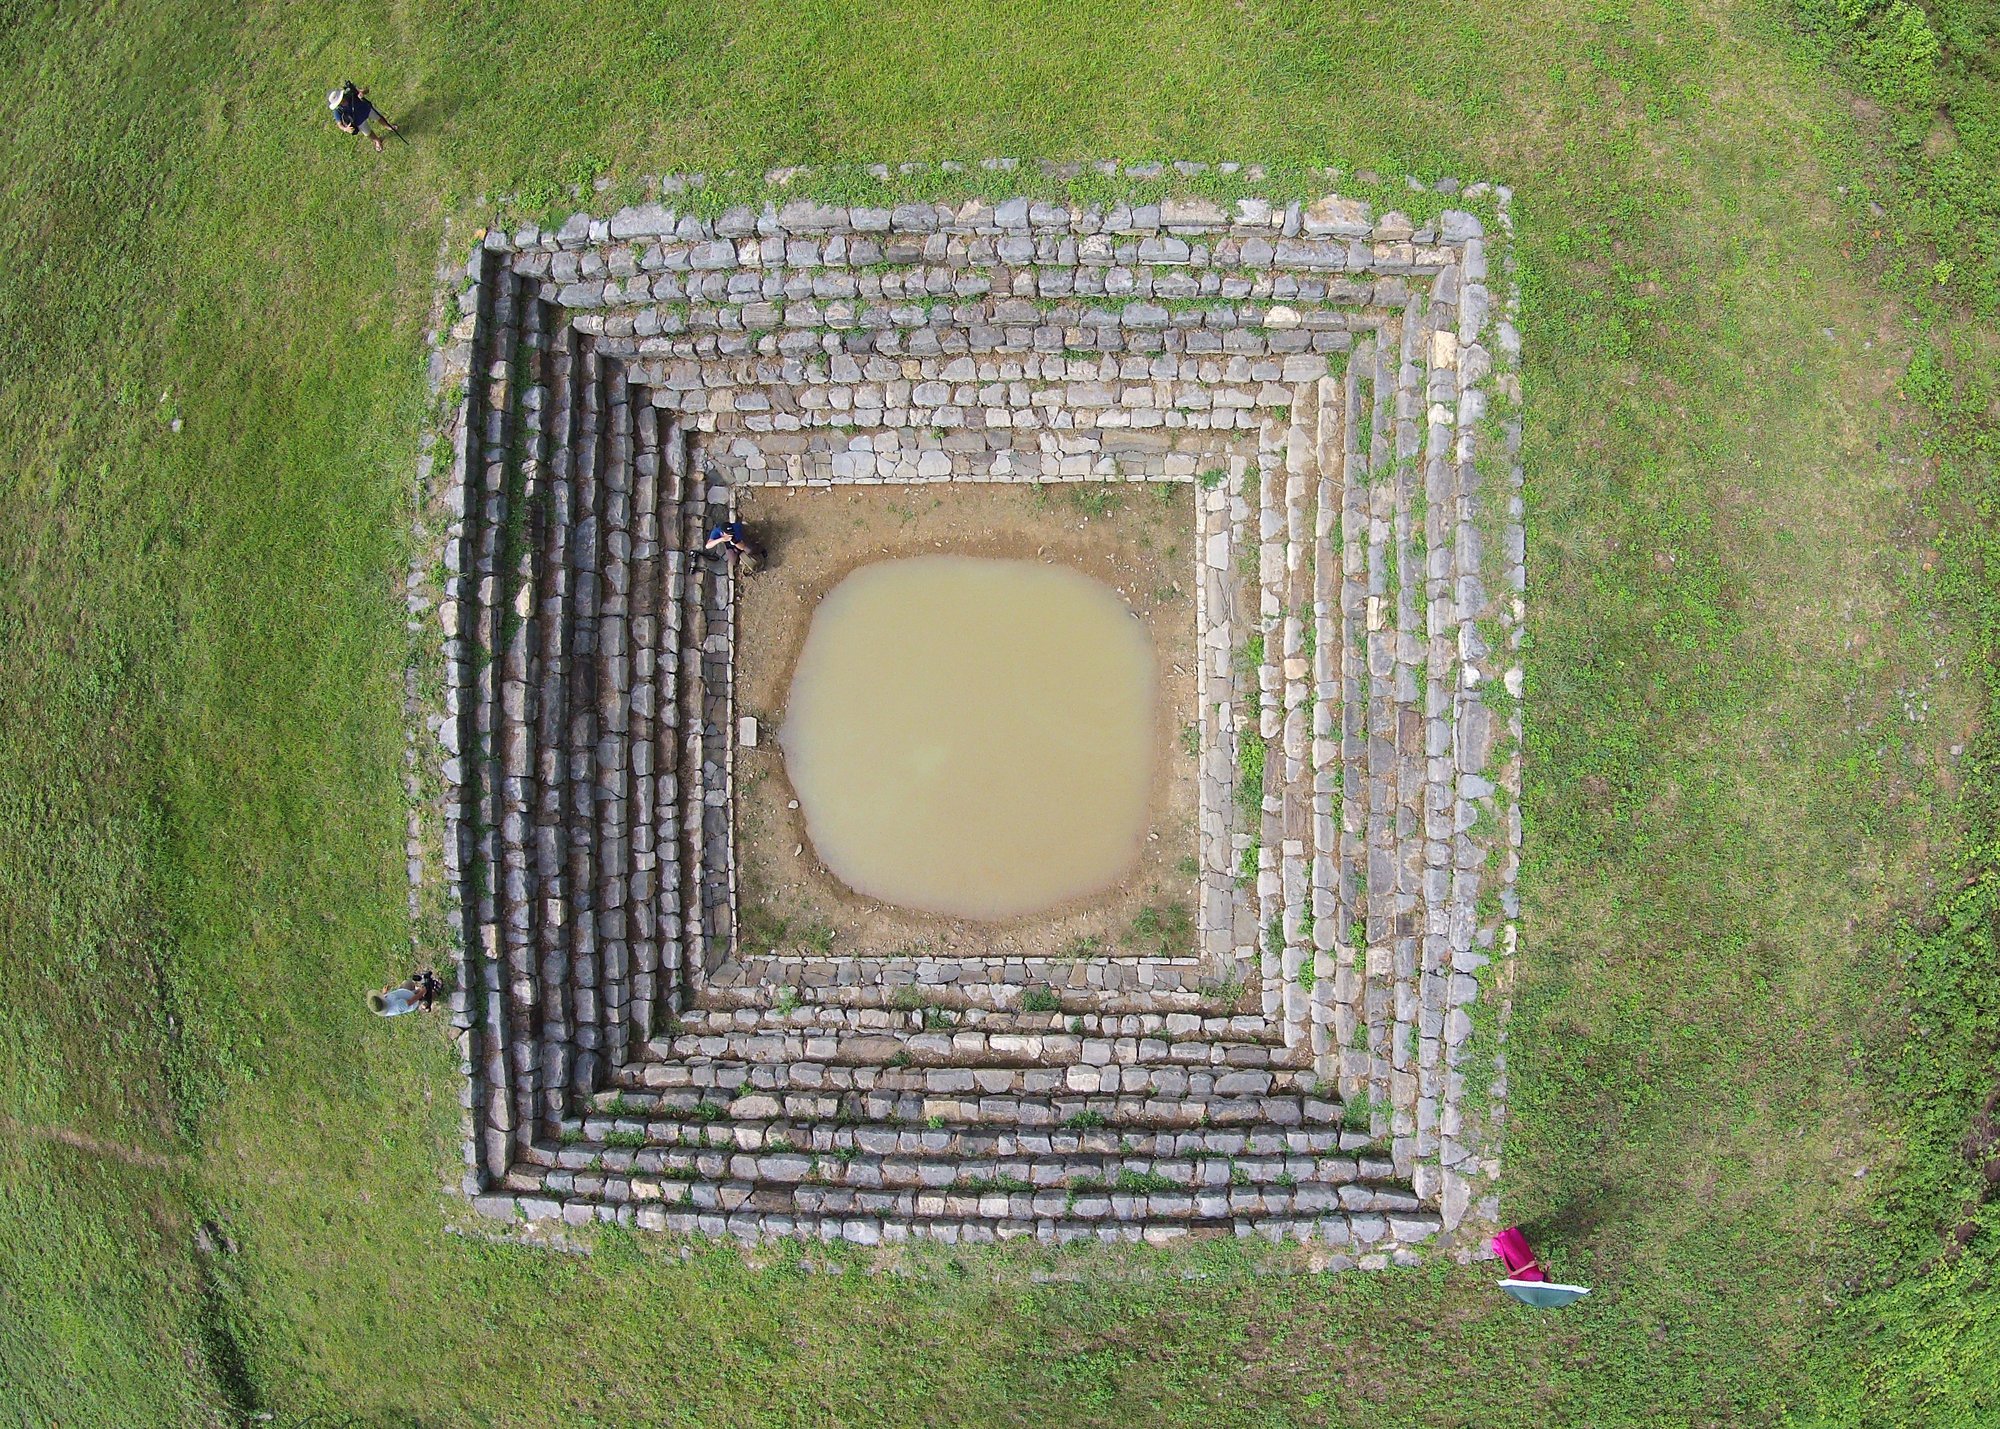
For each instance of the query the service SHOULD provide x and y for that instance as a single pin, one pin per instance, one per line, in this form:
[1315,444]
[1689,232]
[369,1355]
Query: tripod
[349,89]
[389,126]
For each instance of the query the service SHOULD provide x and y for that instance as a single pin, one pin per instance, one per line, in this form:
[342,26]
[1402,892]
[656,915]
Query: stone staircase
[595,718]
[1311,373]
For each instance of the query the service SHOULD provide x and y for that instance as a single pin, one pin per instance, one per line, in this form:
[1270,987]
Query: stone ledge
[1314,969]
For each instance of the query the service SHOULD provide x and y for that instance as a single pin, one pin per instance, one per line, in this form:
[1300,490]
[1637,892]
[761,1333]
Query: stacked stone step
[1404,604]
[961,1096]
[754,303]
[898,1159]
[997,417]
[1058,1052]
[490,409]
[1365,977]
[671,585]
[1066,1125]
[1250,853]
[1372,972]
[734,296]
[718,717]
[1127,1199]
[694,740]
[1266,530]
[608,801]
[753,976]
[1284,530]
[942,1181]
[1334,982]
[1024,1173]
[1218,618]
[967,995]
[572,912]
[585,550]
[934,1011]
[1350,1010]
[1291,754]
[553,612]
[644,885]
[1138,1093]
[1302,353]
[460,345]
[1207,326]
[516,671]
[611,756]
[1452,864]
[1451,1167]
[575,730]
[1048,361]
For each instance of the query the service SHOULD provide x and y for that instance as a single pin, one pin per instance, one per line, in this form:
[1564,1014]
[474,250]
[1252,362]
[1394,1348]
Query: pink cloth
[1512,1248]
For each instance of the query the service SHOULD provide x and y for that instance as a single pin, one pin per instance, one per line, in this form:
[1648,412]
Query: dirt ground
[1136,538]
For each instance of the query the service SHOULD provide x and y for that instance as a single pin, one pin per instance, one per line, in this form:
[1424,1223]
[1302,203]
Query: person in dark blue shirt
[731,541]
[353,114]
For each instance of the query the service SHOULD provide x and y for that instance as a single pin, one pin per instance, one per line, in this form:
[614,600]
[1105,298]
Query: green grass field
[1757,1012]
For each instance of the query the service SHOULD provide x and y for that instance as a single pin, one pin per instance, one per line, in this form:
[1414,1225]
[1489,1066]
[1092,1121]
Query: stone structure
[1335,383]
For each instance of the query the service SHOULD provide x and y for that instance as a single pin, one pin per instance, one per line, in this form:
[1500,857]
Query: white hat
[333,99]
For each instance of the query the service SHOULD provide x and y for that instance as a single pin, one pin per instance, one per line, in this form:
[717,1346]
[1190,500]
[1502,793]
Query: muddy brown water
[973,736]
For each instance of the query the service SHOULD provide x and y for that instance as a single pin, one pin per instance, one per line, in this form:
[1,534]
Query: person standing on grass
[419,994]
[353,114]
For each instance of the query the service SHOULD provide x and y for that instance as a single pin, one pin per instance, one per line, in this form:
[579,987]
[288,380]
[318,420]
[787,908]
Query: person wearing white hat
[353,114]
[418,994]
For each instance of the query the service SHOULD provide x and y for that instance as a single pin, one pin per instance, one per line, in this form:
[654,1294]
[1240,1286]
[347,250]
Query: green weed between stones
[1041,999]
[1162,930]
[1251,751]
[1141,1183]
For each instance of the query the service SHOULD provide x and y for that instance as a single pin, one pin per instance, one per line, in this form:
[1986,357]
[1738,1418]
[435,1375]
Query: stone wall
[1336,384]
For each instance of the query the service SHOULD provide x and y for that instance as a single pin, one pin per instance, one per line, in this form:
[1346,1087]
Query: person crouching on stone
[419,994]
[731,542]
[353,114]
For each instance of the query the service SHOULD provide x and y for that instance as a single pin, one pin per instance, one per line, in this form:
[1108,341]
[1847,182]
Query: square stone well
[1334,385]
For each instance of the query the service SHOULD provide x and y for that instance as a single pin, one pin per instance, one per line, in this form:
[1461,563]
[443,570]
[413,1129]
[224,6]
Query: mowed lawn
[221,1180]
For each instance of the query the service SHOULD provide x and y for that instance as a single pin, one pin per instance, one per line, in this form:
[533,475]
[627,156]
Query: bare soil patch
[1136,538]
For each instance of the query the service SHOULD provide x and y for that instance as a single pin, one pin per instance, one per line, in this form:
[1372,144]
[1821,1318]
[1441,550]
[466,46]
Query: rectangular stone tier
[1337,386]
